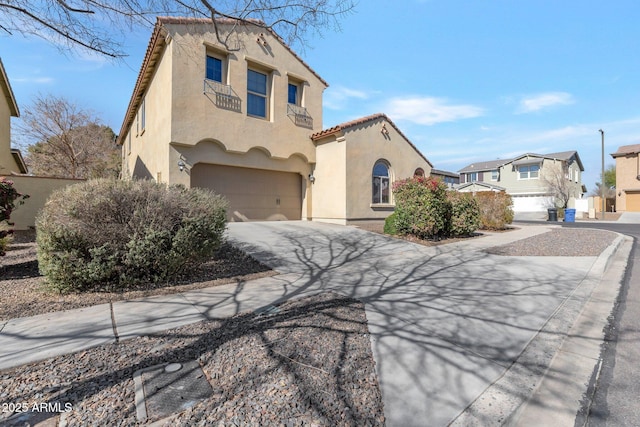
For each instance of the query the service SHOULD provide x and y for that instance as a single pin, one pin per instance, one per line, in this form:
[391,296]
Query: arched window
[380,183]
[418,172]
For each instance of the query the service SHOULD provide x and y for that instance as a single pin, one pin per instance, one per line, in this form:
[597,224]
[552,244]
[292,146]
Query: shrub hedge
[112,235]
[421,207]
[496,210]
[464,214]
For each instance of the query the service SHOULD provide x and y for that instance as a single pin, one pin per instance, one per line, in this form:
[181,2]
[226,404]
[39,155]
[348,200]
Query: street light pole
[602,183]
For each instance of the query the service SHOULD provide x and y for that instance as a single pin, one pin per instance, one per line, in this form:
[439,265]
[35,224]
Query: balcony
[300,116]
[222,95]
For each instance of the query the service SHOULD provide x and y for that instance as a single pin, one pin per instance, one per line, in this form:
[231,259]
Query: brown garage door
[633,202]
[253,194]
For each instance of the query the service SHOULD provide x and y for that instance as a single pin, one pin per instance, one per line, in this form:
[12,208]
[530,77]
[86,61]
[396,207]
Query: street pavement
[458,335]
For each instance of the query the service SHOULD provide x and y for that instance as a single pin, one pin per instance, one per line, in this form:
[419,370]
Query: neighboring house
[451,179]
[627,178]
[11,161]
[525,178]
[247,123]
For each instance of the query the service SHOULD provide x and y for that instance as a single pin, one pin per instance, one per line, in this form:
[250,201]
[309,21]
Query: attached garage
[253,194]
[522,203]
[633,201]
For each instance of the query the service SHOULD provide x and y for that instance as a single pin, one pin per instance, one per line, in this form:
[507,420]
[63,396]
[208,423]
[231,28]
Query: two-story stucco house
[627,178]
[526,178]
[246,121]
[11,161]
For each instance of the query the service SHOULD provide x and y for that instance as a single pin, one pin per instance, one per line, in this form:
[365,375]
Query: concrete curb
[548,382]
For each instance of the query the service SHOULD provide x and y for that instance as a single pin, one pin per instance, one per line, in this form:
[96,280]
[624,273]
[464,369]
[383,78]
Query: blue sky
[465,80]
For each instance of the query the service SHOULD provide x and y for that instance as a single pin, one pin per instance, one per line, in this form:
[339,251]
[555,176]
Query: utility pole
[602,179]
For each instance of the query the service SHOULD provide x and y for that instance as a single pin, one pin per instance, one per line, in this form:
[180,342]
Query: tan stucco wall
[366,144]
[7,163]
[329,189]
[627,170]
[185,124]
[149,154]
[39,189]
[196,117]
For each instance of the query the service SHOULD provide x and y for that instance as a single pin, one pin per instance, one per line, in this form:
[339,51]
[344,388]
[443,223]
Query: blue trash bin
[569,215]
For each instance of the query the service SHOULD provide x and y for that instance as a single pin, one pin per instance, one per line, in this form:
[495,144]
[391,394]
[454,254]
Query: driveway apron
[446,321]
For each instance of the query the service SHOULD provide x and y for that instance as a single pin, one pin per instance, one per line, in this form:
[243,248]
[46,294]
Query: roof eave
[8,92]
[157,43]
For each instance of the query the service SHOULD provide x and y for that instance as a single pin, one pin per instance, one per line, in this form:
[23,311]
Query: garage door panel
[633,202]
[253,194]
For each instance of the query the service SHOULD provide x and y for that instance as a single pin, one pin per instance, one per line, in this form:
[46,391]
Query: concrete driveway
[446,322]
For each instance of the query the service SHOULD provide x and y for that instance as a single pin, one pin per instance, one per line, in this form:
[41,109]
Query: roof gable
[343,127]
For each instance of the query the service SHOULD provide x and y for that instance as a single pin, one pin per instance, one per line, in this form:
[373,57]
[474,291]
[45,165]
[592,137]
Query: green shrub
[390,224]
[113,235]
[464,216]
[496,210]
[421,207]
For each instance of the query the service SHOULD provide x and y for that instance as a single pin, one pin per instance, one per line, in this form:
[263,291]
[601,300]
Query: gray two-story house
[528,178]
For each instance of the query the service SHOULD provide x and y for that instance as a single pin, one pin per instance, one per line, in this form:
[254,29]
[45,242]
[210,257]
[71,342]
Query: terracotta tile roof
[157,43]
[626,149]
[374,117]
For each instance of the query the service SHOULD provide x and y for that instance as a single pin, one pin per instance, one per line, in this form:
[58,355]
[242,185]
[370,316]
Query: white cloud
[336,97]
[429,110]
[541,101]
[35,80]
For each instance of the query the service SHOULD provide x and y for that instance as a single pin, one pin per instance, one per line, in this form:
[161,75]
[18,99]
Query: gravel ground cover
[22,294]
[308,363]
[559,242]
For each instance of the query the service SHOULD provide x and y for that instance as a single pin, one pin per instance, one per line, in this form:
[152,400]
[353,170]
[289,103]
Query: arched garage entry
[253,194]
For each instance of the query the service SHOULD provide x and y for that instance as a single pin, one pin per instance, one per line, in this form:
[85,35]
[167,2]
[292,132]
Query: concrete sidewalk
[448,323]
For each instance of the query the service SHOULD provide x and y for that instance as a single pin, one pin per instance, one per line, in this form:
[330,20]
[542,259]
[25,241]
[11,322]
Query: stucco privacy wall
[39,189]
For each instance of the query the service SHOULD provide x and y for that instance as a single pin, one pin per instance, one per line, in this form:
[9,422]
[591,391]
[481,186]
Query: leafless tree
[102,25]
[557,181]
[67,141]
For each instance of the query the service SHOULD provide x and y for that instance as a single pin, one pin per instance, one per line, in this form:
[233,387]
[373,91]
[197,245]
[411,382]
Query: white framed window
[472,177]
[528,171]
[494,175]
[380,183]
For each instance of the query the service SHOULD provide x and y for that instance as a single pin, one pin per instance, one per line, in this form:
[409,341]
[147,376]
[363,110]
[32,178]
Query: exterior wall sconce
[181,165]
[384,130]
[312,178]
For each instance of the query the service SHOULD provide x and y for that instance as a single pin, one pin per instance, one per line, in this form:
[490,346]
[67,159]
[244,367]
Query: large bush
[113,235]
[421,207]
[496,210]
[464,216]
[9,196]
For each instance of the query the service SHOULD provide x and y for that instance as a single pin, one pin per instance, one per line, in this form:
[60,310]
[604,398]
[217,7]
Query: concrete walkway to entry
[451,325]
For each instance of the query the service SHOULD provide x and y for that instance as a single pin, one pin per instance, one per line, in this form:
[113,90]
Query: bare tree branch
[102,26]
[67,141]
